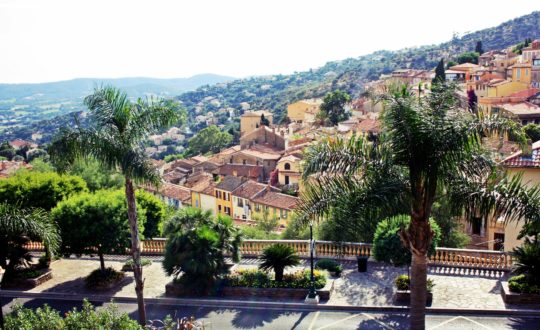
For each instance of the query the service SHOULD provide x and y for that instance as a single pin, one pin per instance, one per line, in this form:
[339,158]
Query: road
[244,318]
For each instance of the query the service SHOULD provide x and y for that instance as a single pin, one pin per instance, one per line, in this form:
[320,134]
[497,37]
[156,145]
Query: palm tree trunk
[136,250]
[418,291]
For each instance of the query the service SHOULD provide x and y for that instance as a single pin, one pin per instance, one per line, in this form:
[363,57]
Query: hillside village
[261,175]
[263,172]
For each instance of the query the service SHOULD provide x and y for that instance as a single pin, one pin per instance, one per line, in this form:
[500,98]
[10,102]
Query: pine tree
[479,49]
[440,76]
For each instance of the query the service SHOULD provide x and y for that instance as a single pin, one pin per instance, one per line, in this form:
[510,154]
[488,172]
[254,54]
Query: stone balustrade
[447,257]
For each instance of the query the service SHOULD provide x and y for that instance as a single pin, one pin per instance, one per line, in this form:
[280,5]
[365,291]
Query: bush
[250,232]
[527,263]
[45,318]
[278,257]
[330,265]
[521,284]
[99,279]
[128,265]
[403,283]
[387,245]
[254,278]
[196,247]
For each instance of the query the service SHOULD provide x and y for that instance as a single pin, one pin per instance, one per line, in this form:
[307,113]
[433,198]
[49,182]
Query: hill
[275,92]
[21,105]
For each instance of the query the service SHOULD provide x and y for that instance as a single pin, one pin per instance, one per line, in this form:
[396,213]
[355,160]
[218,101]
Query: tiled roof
[464,66]
[199,159]
[257,113]
[526,93]
[520,160]
[521,108]
[8,168]
[368,125]
[249,189]
[174,191]
[248,171]
[290,158]
[278,200]
[230,183]
[18,143]
[263,152]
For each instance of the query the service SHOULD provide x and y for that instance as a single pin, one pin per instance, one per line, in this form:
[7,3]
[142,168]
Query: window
[526,72]
[287,166]
[283,214]
[244,162]
[286,179]
[518,73]
[219,194]
[499,241]
[196,203]
[257,208]
[240,202]
[476,226]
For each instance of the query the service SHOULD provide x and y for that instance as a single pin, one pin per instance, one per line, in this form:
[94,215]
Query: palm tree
[19,226]
[278,257]
[429,148]
[116,130]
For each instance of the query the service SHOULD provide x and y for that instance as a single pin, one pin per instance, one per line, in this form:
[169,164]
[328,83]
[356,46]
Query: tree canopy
[39,189]
[333,107]
[209,139]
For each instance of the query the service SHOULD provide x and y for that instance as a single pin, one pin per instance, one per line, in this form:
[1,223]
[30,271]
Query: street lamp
[2,271]
[312,297]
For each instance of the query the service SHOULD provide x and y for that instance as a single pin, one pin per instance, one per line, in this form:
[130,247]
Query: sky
[55,40]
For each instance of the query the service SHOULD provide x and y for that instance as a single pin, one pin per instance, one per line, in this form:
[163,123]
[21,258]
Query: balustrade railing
[447,257]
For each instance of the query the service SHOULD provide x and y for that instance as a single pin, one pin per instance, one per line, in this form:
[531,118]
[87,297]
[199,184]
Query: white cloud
[64,39]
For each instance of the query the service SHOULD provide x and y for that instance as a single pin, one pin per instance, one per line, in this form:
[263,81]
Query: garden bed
[104,280]
[275,293]
[41,276]
[510,297]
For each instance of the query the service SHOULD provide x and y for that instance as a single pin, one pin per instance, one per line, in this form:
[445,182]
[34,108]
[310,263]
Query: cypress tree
[440,76]
[479,49]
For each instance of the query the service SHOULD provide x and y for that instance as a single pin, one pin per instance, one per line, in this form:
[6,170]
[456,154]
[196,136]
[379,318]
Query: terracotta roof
[18,143]
[290,158]
[278,200]
[8,168]
[464,66]
[520,160]
[230,183]
[174,191]
[248,171]
[249,189]
[199,159]
[205,187]
[520,65]
[369,125]
[198,179]
[526,93]
[521,108]
[174,176]
[263,151]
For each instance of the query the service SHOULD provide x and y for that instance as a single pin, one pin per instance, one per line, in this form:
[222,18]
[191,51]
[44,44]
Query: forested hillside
[275,92]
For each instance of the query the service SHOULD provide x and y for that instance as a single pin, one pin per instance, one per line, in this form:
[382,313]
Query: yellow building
[521,72]
[529,168]
[223,194]
[278,205]
[203,197]
[241,199]
[251,120]
[505,88]
[289,170]
[303,110]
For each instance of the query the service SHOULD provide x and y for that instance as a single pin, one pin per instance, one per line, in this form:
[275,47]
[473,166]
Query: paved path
[249,318]
[454,288]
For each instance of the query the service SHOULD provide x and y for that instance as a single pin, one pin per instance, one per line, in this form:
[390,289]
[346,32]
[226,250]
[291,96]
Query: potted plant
[403,293]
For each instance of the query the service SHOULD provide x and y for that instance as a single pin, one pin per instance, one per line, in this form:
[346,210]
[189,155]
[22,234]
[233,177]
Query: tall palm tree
[19,226]
[429,148]
[116,129]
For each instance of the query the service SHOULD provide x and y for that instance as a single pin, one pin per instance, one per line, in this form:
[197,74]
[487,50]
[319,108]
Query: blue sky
[63,39]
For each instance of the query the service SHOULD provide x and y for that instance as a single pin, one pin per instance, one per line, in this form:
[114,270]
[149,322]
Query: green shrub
[387,245]
[527,257]
[128,265]
[403,282]
[522,284]
[46,318]
[100,279]
[254,278]
[329,265]
[278,257]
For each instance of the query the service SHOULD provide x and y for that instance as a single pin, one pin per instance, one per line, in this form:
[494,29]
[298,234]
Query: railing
[446,257]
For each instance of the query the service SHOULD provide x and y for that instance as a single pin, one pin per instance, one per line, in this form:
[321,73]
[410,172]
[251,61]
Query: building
[203,196]
[258,154]
[522,72]
[172,194]
[289,172]
[274,205]
[525,112]
[18,144]
[263,135]
[532,52]
[241,199]
[251,120]
[529,167]
[223,193]
[251,172]
[301,110]
[8,168]
[505,88]
[535,71]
